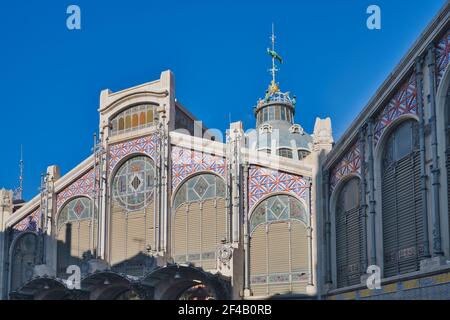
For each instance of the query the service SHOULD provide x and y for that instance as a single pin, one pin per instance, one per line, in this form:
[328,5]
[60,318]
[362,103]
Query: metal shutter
[84,237]
[402,223]
[299,255]
[350,248]
[279,255]
[179,234]
[221,220]
[209,234]
[194,232]
[117,235]
[258,260]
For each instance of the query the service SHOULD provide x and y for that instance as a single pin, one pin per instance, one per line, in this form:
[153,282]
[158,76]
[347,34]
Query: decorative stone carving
[296,128]
[323,133]
[265,128]
[224,254]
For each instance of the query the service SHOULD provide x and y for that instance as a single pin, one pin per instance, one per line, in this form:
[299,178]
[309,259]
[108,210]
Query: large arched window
[350,248]
[279,259]
[24,258]
[134,118]
[132,225]
[199,221]
[75,235]
[401,201]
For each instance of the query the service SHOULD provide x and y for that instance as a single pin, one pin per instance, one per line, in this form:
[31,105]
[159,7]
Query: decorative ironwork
[201,187]
[281,207]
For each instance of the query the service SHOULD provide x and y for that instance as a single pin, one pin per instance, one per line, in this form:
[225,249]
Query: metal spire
[18,192]
[21,172]
[273,70]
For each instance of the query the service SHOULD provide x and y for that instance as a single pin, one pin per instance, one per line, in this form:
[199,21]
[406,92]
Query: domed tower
[277,132]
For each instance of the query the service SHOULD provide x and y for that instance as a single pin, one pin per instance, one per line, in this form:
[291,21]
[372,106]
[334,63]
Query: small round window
[134,183]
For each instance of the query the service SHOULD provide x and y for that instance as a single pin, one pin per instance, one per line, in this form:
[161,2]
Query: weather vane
[275,56]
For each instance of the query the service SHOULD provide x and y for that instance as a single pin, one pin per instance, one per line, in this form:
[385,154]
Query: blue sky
[51,77]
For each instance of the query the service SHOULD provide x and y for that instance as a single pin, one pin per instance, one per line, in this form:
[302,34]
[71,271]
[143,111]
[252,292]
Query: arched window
[279,260]
[303,154]
[350,250]
[24,258]
[75,236]
[401,201]
[199,221]
[285,152]
[132,119]
[132,225]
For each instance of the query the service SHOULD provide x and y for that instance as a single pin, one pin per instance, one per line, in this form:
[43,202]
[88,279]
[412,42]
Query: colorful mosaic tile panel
[263,181]
[403,102]
[30,222]
[82,186]
[350,163]
[186,162]
[147,145]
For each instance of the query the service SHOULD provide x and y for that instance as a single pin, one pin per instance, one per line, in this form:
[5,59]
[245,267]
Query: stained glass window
[201,187]
[134,118]
[277,208]
[76,209]
[133,183]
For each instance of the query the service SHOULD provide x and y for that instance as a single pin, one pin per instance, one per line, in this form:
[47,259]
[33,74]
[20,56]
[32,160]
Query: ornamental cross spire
[275,56]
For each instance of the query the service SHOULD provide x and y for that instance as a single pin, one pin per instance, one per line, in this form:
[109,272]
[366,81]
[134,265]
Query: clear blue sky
[50,77]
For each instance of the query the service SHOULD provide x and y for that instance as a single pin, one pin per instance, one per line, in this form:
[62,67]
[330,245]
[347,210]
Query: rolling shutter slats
[402,223]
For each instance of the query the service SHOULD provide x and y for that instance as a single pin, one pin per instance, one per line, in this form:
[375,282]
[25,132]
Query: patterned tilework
[403,102]
[442,57]
[263,181]
[30,222]
[350,163]
[430,287]
[82,186]
[147,145]
[186,162]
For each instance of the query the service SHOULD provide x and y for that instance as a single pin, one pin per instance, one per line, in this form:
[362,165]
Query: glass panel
[403,140]
[283,113]
[202,187]
[277,113]
[134,182]
[121,124]
[135,121]
[150,116]
[266,114]
[128,122]
[351,194]
[258,216]
[297,210]
[271,113]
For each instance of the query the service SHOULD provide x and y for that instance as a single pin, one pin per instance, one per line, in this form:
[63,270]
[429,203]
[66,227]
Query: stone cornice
[137,94]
